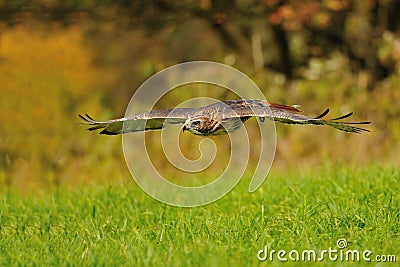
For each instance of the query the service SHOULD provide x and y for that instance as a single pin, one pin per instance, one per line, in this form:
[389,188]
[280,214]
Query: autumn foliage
[90,57]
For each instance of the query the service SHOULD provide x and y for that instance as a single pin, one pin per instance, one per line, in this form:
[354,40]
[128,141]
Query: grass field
[121,225]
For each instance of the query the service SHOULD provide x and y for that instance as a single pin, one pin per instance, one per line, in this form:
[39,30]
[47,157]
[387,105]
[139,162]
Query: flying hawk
[218,118]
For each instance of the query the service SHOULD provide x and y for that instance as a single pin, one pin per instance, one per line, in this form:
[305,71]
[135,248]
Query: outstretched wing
[289,114]
[151,120]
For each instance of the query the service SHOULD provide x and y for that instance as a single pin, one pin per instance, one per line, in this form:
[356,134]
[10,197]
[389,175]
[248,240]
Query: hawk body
[218,118]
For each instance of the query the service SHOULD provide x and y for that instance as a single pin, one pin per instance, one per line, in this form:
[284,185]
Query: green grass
[121,225]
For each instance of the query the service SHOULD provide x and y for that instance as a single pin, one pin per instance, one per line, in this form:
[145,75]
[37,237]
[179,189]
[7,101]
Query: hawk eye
[196,123]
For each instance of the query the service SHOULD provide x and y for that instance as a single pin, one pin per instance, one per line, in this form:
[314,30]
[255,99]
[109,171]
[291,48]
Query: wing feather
[152,120]
[283,114]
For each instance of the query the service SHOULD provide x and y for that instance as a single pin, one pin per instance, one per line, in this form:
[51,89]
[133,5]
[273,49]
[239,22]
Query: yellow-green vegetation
[46,79]
[50,74]
[122,226]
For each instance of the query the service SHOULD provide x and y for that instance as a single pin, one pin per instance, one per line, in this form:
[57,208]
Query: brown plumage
[218,118]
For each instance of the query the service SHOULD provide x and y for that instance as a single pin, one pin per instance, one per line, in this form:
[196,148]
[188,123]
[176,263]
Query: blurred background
[60,58]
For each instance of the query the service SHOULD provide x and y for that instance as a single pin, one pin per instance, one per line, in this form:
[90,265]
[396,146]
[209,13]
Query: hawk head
[202,126]
[207,126]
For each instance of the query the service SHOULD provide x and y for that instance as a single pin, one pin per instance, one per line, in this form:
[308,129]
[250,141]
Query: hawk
[218,118]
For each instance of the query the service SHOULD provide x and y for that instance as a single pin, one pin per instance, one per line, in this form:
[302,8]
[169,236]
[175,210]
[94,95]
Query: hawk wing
[288,114]
[151,120]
